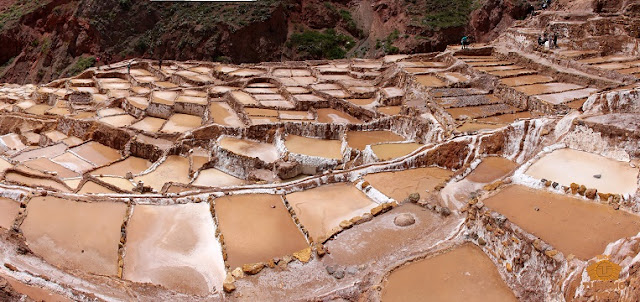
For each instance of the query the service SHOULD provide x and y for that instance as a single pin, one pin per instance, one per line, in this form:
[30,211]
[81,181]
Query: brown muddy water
[132,164]
[491,168]
[266,152]
[271,232]
[8,211]
[360,139]
[332,116]
[573,226]
[97,153]
[181,123]
[64,233]
[149,124]
[322,209]
[174,168]
[216,178]
[463,274]
[398,185]
[174,246]
[394,150]
[314,146]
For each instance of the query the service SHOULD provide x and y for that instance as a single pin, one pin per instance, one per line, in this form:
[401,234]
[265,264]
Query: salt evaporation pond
[400,184]
[393,150]
[174,246]
[75,235]
[175,168]
[216,178]
[567,166]
[8,212]
[266,152]
[257,228]
[572,225]
[321,209]
[491,168]
[462,274]
[360,139]
[314,146]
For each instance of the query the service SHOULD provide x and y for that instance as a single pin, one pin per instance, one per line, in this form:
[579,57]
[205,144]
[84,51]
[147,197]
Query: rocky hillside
[46,39]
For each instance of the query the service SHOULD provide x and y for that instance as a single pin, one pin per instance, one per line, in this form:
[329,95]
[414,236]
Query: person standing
[555,40]
[129,68]
[160,64]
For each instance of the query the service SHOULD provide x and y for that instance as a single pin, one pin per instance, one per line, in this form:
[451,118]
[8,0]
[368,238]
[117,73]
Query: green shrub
[327,44]
[81,64]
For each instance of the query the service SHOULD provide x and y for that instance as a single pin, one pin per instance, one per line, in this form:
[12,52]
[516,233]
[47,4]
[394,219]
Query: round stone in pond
[404,219]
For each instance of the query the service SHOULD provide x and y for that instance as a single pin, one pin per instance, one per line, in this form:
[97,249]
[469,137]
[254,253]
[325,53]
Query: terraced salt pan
[526,80]
[91,187]
[97,153]
[64,233]
[216,178]
[174,246]
[571,225]
[399,185]
[567,96]
[295,115]
[164,97]
[266,152]
[110,111]
[390,110]
[473,126]
[506,118]
[332,116]
[174,168]
[473,112]
[547,88]
[178,123]
[223,114]
[490,169]
[11,141]
[46,165]
[511,73]
[331,149]
[8,212]
[149,124]
[567,166]
[462,274]
[132,164]
[430,81]
[118,121]
[138,102]
[271,233]
[35,182]
[360,139]
[73,162]
[321,209]
[243,98]
[389,151]
[118,182]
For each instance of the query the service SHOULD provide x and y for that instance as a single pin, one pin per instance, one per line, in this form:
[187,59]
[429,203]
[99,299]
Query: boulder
[590,193]
[303,255]
[404,219]
[574,187]
[414,197]
[252,268]
[229,284]
[582,189]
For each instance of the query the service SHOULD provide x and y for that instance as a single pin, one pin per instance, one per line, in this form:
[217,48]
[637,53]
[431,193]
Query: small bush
[81,64]
[328,44]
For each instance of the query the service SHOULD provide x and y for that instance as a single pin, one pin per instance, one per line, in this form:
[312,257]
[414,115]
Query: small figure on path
[160,64]
[464,42]
[129,68]
[555,40]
